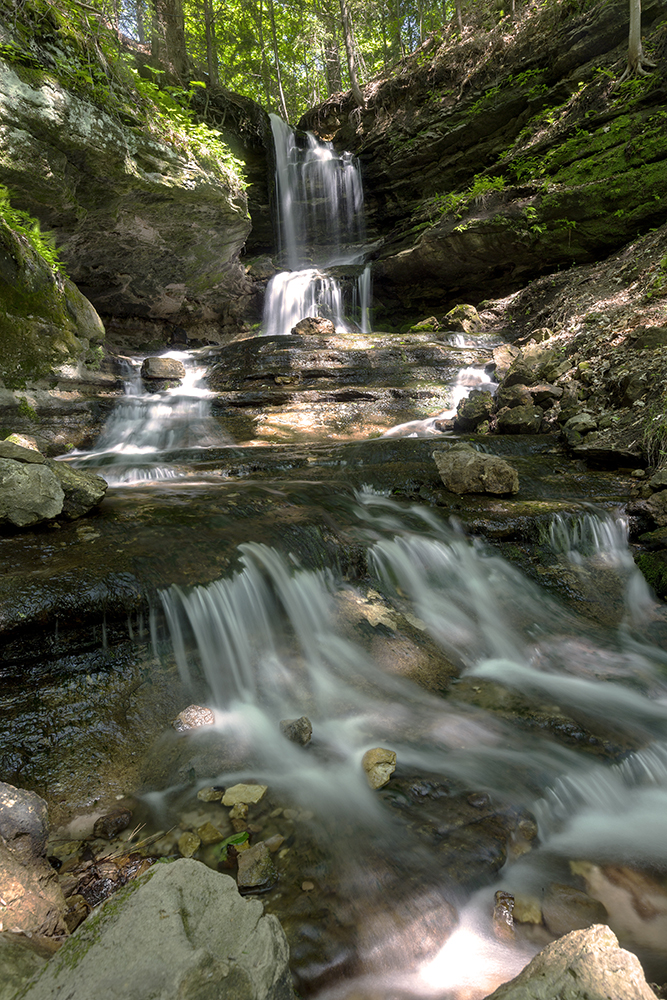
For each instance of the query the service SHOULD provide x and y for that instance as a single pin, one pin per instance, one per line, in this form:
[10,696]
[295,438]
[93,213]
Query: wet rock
[24,823]
[29,494]
[209,834]
[210,794]
[193,717]
[565,908]
[83,490]
[520,420]
[297,730]
[32,900]
[245,794]
[97,879]
[256,870]
[464,470]
[182,930]
[162,368]
[463,317]
[583,965]
[471,842]
[110,825]
[503,919]
[474,410]
[314,326]
[379,765]
[188,843]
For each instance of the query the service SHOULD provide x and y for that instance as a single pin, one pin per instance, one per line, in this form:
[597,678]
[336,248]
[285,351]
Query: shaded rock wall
[144,229]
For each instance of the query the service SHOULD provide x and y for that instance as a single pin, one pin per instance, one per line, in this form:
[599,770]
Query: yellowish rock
[188,843]
[527,909]
[209,834]
[244,793]
[379,765]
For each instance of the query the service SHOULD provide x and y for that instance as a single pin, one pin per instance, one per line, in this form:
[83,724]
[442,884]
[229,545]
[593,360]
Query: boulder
[464,470]
[181,930]
[583,965]
[513,395]
[32,900]
[29,493]
[83,490]
[565,908]
[163,368]
[313,326]
[474,410]
[464,318]
[19,963]
[520,420]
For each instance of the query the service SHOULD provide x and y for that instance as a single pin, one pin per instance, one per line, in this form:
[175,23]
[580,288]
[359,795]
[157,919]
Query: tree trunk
[349,50]
[636,58]
[276,56]
[266,73]
[168,41]
[332,65]
[211,42]
[459,16]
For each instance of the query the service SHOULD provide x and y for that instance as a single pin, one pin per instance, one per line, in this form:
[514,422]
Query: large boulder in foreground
[34,489]
[182,930]
[464,470]
[584,965]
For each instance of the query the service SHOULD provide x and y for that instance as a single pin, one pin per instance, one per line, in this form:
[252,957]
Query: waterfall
[145,426]
[320,207]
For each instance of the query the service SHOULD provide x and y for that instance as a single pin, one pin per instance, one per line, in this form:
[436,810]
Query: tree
[348,38]
[168,39]
[636,58]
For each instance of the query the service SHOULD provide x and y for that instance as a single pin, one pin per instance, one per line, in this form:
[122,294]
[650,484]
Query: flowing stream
[531,715]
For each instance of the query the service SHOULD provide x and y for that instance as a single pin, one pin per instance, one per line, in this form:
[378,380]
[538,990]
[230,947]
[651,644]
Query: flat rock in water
[583,965]
[163,368]
[182,930]
[193,717]
[313,326]
[256,869]
[468,471]
[246,794]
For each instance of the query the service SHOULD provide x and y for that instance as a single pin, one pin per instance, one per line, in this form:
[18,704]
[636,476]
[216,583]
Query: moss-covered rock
[144,229]
[45,321]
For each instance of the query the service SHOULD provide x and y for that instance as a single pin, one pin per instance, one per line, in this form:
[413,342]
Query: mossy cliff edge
[511,153]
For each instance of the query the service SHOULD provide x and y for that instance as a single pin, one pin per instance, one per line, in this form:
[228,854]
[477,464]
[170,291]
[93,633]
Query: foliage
[456,202]
[88,59]
[21,222]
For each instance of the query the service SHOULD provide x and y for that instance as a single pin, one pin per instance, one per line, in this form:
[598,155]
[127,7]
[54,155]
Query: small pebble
[193,717]
[307,886]
[209,834]
[379,765]
[112,823]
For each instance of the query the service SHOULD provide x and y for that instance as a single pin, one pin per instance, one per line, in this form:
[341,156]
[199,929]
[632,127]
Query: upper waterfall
[320,209]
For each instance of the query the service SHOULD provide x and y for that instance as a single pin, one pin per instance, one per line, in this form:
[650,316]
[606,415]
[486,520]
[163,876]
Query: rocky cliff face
[508,155]
[145,230]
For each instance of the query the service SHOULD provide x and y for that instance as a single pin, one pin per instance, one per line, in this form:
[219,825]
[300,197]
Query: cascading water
[321,225]
[144,427]
[265,645]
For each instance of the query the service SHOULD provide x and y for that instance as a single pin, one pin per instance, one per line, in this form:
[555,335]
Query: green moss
[654,567]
